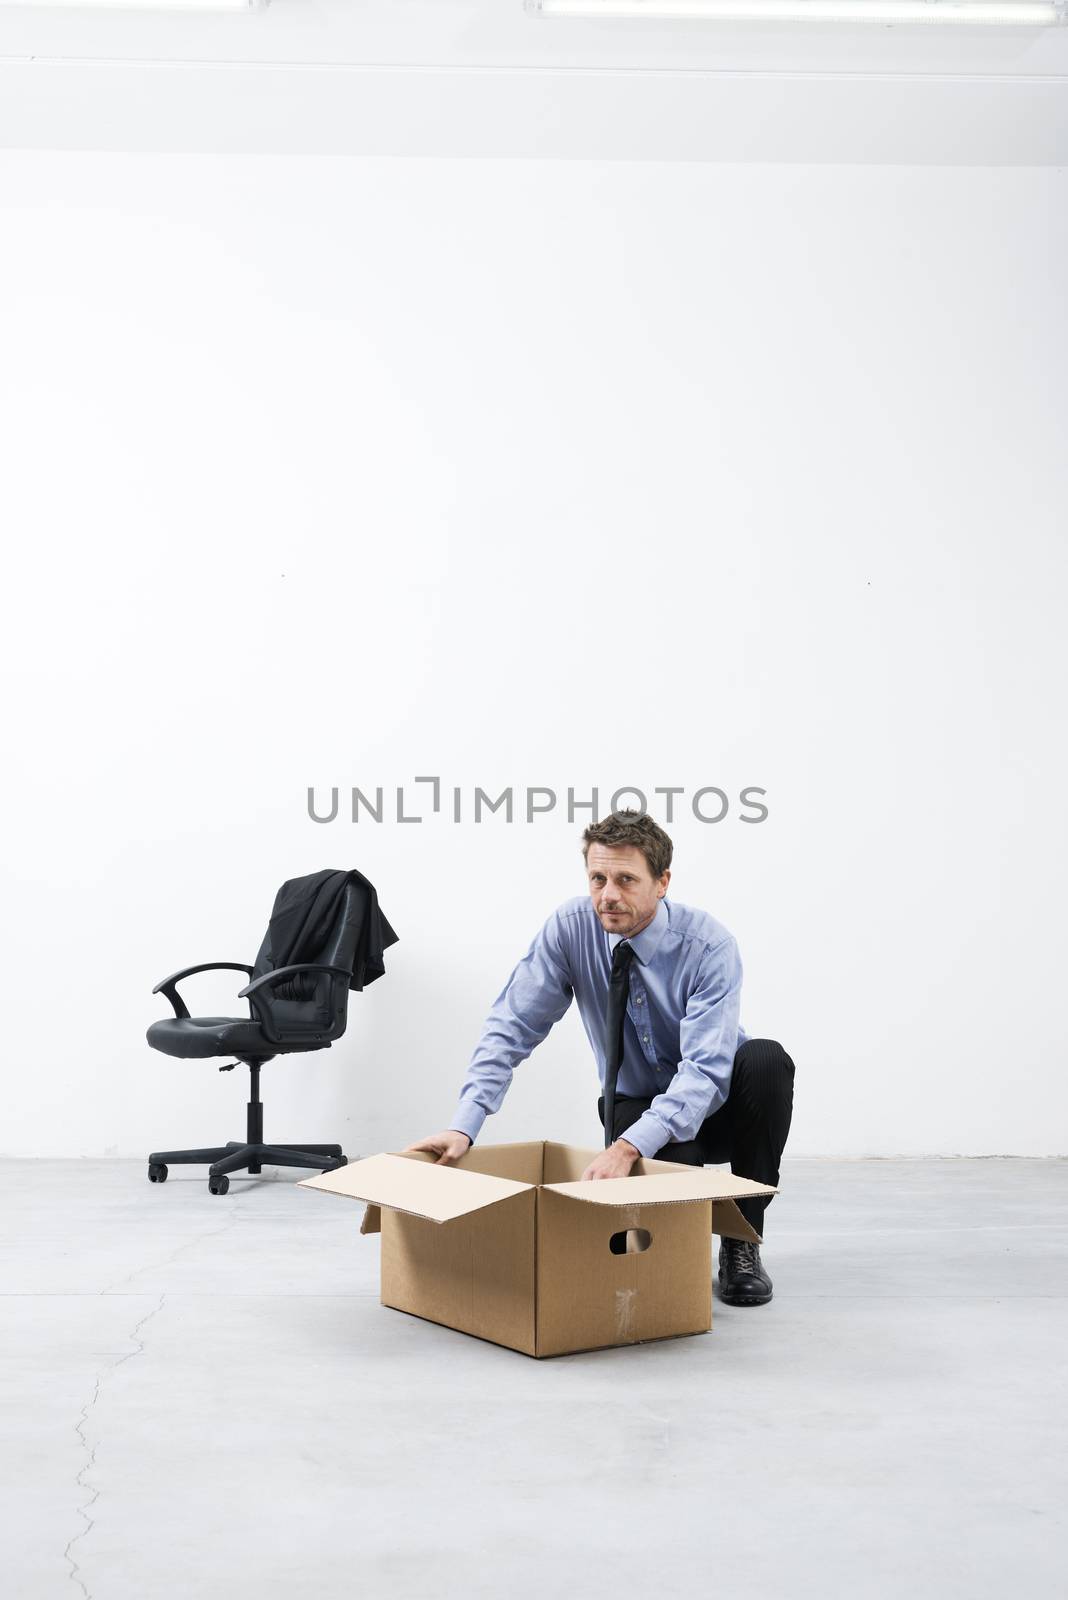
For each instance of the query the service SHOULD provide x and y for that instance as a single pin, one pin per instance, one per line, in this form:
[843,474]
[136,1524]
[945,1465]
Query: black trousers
[749,1130]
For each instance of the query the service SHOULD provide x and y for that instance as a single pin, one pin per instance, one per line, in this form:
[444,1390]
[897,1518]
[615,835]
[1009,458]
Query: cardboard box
[508,1244]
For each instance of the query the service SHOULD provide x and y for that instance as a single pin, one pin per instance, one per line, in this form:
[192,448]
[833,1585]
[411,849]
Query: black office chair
[291,1008]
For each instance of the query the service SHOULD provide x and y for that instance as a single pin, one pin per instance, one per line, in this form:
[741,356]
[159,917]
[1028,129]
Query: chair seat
[196,1038]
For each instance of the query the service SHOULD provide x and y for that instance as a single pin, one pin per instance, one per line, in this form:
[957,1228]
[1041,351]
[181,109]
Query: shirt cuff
[469,1120]
[647,1135]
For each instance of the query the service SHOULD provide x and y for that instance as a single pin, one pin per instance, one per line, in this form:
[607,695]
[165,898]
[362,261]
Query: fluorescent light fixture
[139,5]
[983,13]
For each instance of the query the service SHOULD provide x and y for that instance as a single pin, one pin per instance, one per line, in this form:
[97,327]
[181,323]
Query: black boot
[742,1279]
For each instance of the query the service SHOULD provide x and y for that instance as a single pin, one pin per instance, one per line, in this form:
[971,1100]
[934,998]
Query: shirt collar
[646,943]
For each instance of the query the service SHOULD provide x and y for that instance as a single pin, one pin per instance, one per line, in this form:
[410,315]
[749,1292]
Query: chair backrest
[303,1004]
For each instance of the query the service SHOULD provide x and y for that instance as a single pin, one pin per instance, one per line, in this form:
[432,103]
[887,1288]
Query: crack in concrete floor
[87,1466]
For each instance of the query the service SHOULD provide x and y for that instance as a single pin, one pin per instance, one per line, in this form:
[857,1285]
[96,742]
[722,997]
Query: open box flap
[661,1188]
[436,1192]
[729,1223]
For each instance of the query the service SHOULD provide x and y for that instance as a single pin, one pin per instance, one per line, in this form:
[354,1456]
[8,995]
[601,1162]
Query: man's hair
[636,828]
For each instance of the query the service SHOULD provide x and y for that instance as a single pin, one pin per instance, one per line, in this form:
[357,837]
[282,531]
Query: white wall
[345,471]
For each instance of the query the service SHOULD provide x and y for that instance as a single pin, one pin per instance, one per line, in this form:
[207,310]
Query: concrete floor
[203,1397]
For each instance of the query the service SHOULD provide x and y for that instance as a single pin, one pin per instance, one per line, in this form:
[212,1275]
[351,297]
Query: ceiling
[484,78]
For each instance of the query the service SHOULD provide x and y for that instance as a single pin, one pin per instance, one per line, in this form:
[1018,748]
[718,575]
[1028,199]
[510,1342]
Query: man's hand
[447,1146]
[615,1162]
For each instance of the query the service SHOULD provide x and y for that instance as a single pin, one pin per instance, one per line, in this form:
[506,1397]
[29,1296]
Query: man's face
[623,890]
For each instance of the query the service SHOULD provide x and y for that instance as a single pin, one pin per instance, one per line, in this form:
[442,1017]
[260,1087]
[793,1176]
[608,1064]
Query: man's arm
[708,1039]
[536,996]
[448,1146]
[614,1162]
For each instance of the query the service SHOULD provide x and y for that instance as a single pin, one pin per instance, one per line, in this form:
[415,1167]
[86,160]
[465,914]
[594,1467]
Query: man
[691,1086]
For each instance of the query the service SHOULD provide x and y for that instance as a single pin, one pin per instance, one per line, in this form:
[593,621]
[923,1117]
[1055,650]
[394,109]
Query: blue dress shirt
[680,1033]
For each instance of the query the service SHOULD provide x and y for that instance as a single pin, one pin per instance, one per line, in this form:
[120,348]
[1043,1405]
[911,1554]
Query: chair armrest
[168,986]
[286,1031]
[282,974]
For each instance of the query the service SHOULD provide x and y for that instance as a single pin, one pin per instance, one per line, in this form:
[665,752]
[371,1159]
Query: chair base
[235,1157]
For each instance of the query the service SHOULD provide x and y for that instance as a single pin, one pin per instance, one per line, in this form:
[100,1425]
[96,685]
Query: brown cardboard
[509,1244]
[438,1193]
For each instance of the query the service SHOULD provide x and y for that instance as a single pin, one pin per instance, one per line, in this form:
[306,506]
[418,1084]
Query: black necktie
[614,1018]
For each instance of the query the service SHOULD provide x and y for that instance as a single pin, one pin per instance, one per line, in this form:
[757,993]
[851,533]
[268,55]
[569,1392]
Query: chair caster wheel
[157,1172]
[218,1185]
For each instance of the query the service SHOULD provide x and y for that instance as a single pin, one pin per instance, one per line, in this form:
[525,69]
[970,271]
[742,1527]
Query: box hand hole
[630,1242]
